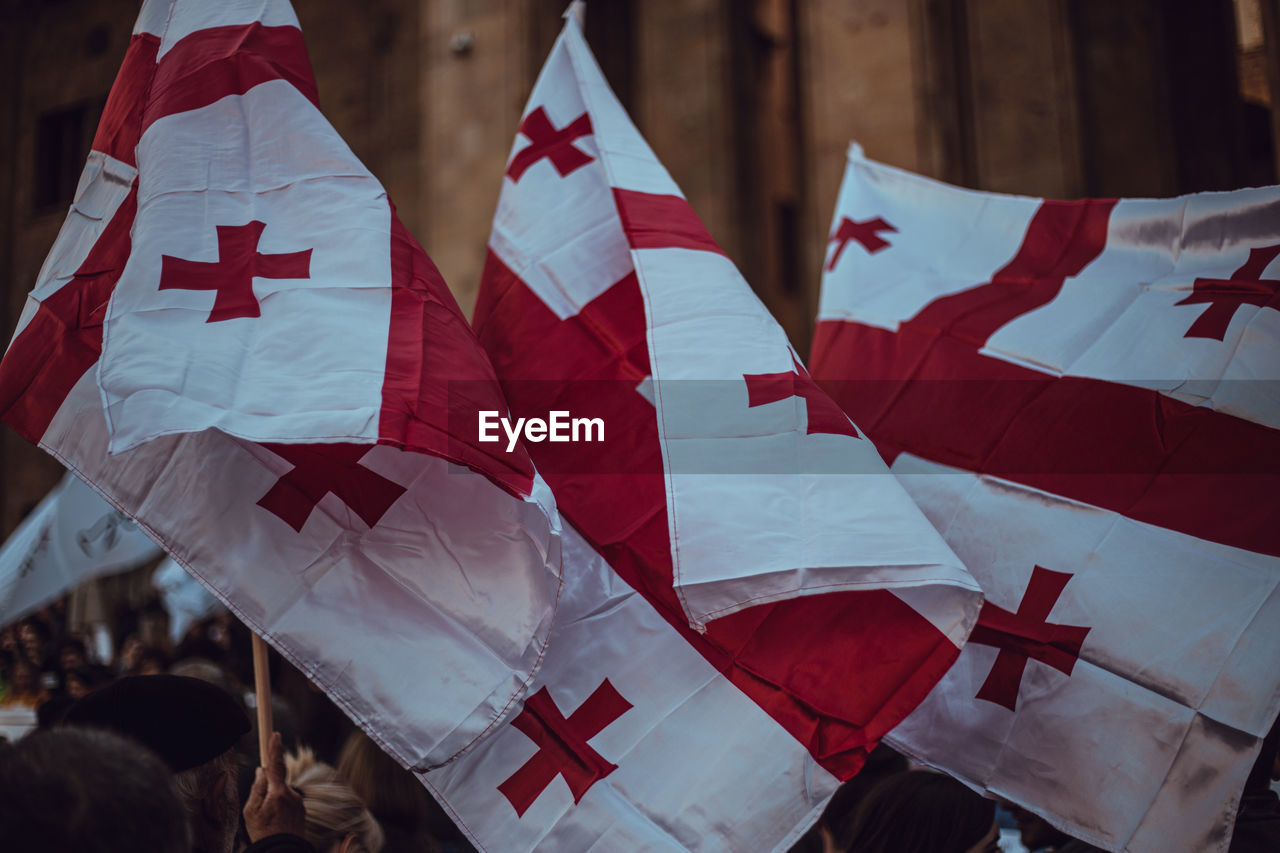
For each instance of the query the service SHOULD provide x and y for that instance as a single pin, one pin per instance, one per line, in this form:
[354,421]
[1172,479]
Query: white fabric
[1116,321]
[1146,744]
[104,185]
[176,20]
[1133,332]
[567,253]
[185,599]
[424,629]
[755,512]
[72,536]
[700,766]
[1167,681]
[16,722]
[311,366]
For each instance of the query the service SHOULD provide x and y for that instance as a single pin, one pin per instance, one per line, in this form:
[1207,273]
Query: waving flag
[747,611]
[72,536]
[186,601]
[258,296]
[1082,396]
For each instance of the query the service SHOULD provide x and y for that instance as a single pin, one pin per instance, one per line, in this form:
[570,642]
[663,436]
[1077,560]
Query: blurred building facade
[750,104]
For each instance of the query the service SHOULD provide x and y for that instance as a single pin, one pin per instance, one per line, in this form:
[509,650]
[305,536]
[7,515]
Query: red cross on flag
[1042,377]
[751,600]
[278,359]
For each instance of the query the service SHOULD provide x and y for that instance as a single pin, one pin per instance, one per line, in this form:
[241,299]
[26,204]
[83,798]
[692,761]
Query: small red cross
[1245,287]
[556,144]
[1026,634]
[232,275]
[319,469]
[867,233]
[562,745]
[823,414]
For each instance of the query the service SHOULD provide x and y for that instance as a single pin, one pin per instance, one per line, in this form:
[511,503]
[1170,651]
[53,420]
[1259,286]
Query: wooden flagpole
[262,689]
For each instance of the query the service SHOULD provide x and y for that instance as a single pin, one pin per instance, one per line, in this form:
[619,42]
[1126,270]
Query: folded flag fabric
[278,415]
[1082,397]
[72,536]
[747,610]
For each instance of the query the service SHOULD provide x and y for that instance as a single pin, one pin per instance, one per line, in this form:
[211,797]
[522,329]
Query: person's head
[77,682]
[33,635]
[150,661]
[193,726]
[337,820]
[23,676]
[88,790]
[837,818]
[1035,832]
[72,655]
[127,657]
[211,802]
[392,793]
[205,670]
[923,812]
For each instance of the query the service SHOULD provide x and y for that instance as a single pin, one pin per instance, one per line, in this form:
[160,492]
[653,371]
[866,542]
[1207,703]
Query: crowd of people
[154,747]
[189,704]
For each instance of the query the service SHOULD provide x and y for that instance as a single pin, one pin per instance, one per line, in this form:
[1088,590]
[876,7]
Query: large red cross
[1026,634]
[824,415]
[562,745]
[556,144]
[1245,287]
[867,233]
[319,469]
[232,275]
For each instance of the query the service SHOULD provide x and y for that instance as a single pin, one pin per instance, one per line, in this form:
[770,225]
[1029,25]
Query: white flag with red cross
[751,600]
[238,344]
[1082,396]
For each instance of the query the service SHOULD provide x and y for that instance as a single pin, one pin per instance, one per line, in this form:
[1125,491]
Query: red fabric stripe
[121,122]
[1061,239]
[1114,446]
[437,375]
[210,64]
[64,338]
[661,222]
[879,654]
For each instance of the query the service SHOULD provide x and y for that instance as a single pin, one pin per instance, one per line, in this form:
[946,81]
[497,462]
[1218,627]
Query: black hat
[185,721]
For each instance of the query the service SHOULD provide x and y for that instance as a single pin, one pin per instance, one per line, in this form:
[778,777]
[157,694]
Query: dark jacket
[1257,823]
[280,843]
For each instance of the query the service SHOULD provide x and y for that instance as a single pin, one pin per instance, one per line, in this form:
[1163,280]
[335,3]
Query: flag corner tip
[576,12]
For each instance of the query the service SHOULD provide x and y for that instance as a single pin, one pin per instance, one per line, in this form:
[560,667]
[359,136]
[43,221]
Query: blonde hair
[333,809]
[390,791]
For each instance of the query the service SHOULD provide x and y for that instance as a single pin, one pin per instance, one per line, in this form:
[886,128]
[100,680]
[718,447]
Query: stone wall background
[749,103]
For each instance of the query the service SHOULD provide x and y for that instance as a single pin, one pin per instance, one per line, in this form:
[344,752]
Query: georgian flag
[751,601]
[269,344]
[1082,397]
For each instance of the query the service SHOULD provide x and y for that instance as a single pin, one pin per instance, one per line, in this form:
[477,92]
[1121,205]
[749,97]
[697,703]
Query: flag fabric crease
[1082,397]
[236,342]
[751,599]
